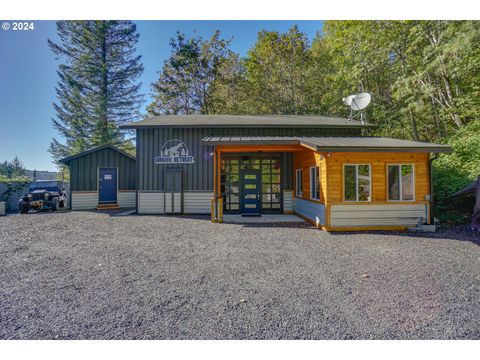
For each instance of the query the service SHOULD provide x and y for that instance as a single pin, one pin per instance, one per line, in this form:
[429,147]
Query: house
[325,169]
[101,178]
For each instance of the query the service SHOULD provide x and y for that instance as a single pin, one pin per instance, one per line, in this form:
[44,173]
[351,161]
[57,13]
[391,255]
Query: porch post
[213,208]
[218,195]
[216,208]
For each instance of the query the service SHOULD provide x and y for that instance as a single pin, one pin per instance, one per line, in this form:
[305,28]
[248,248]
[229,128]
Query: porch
[264,219]
[338,183]
[254,181]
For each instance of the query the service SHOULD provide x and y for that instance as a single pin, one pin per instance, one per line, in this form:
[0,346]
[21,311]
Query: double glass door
[267,170]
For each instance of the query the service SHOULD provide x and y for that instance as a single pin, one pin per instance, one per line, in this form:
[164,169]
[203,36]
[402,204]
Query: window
[230,184]
[315,182]
[271,184]
[357,182]
[401,182]
[298,183]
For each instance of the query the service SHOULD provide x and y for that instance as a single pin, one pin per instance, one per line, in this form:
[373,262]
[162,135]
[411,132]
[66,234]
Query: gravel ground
[85,275]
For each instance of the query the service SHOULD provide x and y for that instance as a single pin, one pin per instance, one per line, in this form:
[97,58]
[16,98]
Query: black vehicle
[43,195]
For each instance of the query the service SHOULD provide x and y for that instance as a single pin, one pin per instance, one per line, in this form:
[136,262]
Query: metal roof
[331,143]
[86,152]
[258,121]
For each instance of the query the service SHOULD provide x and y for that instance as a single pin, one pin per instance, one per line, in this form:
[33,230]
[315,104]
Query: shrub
[452,172]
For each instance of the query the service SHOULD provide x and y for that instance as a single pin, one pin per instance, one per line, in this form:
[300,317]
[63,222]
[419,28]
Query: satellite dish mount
[358,103]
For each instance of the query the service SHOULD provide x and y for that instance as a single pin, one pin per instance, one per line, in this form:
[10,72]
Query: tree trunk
[414,126]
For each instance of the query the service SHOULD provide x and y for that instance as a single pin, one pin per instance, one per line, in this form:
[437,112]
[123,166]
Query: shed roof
[246,121]
[330,143]
[67,160]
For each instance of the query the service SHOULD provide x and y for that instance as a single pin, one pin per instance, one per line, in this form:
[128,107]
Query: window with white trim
[401,182]
[315,182]
[298,183]
[357,182]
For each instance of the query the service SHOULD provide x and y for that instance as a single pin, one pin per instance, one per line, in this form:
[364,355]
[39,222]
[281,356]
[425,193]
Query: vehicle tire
[55,204]
[23,208]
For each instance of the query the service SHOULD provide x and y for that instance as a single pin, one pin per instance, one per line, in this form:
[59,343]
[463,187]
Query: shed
[103,177]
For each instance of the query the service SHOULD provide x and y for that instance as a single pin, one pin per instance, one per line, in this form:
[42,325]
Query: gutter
[244,126]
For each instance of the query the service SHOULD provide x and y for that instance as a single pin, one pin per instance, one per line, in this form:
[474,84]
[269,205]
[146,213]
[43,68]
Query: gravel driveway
[84,275]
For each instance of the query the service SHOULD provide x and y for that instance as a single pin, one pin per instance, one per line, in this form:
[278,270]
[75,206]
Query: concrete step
[107,206]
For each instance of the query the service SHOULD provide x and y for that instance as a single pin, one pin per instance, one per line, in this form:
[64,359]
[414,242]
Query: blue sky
[28,75]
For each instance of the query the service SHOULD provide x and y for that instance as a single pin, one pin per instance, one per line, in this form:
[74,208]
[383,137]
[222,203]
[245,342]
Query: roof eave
[67,160]
[385,149]
[433,149]
[284,126]
[247,142]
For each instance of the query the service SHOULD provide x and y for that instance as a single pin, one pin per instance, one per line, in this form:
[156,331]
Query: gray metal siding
[83,170]
[199,176]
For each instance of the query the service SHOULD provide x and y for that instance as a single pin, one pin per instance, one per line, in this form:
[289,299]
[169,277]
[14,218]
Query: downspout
[215,197]
[430,170]
[137,168]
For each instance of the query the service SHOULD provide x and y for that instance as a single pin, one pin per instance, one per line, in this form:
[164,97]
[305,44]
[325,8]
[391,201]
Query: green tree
[13,168]
[276,79]
[185,81]
[98,86]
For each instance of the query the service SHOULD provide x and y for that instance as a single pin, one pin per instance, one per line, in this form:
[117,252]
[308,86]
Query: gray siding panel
[84,200]
[287,201]
[311,210]
[83,170]
[199,176]
[377,215]
[126,199]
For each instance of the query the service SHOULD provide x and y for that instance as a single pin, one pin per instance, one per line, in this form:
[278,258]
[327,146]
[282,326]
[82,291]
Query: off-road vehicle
[43,195]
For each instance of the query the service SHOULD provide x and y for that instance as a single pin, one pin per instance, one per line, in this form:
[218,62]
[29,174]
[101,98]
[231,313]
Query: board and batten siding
[199,176]
[84,170]
[377,215]
[84,200]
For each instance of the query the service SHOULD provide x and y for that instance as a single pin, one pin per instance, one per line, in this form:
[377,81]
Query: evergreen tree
[13,168]
[185,82]
[98,86]
[276,74]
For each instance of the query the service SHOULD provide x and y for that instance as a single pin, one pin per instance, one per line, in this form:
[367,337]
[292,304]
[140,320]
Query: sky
[28,75]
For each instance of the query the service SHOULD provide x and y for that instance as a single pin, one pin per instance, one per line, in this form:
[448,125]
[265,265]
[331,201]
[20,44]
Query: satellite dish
[358,102]
[348,100]
[361,101]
